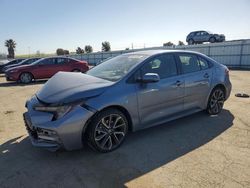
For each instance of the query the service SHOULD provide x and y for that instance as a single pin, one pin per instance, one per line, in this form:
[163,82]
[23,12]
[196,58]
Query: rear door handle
[178,83]
[206,75]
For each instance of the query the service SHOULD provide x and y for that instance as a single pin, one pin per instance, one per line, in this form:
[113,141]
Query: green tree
[66,52]
[60,51]
[106,46]
[180,43]
[88,49]
[79,50]
[168,44]
[11,45]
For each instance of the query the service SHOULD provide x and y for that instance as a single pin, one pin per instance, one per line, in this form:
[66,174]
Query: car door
[197,79]
[205,36]
[158,101]
[45,68]
[197,36]
[62,65]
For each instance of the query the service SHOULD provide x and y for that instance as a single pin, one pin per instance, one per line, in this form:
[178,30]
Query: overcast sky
[46,25]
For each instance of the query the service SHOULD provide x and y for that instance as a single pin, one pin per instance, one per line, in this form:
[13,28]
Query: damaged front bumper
[65,132]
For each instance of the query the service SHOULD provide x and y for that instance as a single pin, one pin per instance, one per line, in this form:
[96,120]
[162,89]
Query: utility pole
[132,46]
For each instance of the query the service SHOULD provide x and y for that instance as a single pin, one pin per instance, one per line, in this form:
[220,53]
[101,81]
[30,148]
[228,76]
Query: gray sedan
[127,93]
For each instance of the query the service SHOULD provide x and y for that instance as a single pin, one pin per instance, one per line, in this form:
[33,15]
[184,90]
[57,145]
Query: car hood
[16,67]
[66,87]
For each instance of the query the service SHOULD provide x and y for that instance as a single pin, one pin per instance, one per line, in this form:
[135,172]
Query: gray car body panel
[146,104]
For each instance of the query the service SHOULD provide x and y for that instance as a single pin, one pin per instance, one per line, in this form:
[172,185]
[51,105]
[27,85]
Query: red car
[45,68]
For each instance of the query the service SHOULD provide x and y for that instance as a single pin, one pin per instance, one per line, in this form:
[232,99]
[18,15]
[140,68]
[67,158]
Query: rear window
[203,63]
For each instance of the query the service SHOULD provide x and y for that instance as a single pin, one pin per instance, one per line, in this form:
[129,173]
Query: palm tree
[106,46]
[11,45]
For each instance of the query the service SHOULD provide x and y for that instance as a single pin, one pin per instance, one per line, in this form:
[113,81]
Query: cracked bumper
[65,132]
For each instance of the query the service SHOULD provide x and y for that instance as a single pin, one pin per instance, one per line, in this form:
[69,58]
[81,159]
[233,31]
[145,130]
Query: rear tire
[212,40]
[216,101]
[26,77]
[107,130]
[190,41]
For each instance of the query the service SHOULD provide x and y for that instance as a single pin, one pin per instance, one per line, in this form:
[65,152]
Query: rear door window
[50,61]
[61,61]
[189,63]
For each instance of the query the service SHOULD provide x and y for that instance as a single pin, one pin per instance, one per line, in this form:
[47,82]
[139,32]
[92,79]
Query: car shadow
[142,152]
[11,84]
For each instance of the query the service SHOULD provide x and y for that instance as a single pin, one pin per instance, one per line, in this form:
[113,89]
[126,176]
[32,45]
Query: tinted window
[204,33]
[163,65]
[29,61]
[19,60]
[49,61]
[189,63]
[191,34]
[203,63]
[62,60]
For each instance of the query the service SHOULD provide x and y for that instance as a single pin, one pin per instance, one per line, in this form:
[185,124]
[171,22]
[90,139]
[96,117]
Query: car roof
[156,52]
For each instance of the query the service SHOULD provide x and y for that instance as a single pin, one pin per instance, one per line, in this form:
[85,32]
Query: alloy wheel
[25,78]
[216,101]
[110,132]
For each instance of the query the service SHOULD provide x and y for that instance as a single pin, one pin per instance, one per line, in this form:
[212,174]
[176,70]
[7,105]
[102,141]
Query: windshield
[27,61]
[116,68]
[39,60]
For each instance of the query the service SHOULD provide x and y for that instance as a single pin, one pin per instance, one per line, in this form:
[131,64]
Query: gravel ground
[195,151]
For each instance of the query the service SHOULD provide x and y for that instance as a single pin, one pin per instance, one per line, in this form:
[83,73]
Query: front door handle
[206,75]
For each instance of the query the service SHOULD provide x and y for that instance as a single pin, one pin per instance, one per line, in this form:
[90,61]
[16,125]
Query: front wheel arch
[91,129]
[120,108]
[19,77]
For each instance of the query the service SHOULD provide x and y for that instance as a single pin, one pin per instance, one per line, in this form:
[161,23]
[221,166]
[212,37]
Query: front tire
[107,130]
[216,101]
[26,78]
[212,40]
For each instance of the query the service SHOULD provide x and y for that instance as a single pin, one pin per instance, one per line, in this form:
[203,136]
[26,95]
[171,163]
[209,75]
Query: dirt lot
[196,151]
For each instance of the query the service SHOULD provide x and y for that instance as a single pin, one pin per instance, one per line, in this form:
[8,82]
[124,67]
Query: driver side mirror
[150,78]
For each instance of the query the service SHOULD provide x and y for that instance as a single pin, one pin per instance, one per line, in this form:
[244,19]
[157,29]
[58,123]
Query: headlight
[58,111]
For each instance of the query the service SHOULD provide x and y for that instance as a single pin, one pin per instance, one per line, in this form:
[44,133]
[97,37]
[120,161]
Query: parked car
[126,93]
[24,62]
[198,37]
[15,61]
[45,68]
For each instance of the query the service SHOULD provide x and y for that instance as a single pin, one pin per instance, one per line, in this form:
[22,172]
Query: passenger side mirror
[150,78]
